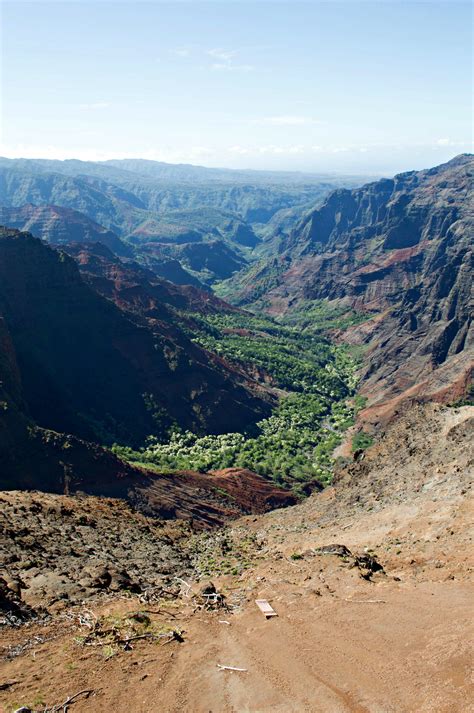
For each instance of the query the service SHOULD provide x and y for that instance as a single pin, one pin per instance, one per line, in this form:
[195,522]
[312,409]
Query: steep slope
[371,581]
[35,458]
[101,201]
[139,290]
[399,249]
[210,260]
[58,226]
[89,368]
[164,207]
[61,226]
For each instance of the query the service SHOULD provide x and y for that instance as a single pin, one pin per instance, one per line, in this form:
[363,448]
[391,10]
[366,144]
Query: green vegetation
[320,315]
[361,441]
[467,400]
[224,553]
[314,382]
[257,280]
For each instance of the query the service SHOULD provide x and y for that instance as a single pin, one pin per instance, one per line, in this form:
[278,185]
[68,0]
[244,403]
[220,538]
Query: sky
[352,87]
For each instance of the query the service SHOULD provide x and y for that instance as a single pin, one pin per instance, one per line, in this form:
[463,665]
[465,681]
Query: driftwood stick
[365,601]
[230,668]
[68,701]
[186,584]
[152,611]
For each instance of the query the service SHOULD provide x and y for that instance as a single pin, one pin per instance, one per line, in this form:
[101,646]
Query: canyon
[269,397]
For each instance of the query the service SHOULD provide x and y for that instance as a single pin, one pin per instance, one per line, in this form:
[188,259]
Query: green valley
[313,381]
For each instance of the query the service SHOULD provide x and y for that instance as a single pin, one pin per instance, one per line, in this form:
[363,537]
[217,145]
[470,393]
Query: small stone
[207,589]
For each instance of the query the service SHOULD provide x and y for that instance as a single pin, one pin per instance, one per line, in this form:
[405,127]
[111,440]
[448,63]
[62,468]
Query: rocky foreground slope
[400,251]
[370,580]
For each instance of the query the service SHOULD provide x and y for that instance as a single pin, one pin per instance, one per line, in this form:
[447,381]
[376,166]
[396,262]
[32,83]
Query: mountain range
[400,253]
[165,210]
[109,335]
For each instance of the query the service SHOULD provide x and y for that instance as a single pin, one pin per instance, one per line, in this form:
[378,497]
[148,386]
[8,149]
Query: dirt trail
[332,657]
[345,639]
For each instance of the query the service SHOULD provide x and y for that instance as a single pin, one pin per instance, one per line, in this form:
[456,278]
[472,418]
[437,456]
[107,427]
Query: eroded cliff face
[401,251]
[90,368]
[138,289]
[57,225]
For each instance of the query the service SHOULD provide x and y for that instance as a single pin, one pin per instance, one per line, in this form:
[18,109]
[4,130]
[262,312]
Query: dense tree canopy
[314,381]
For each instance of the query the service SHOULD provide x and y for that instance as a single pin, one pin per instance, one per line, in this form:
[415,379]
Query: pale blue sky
[340,86]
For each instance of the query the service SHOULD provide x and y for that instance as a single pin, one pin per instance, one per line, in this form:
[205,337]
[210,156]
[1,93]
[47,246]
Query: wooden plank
[265,608]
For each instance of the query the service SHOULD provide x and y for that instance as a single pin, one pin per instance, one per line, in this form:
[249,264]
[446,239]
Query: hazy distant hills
[169,173]
[150,185]
[184,173]
[153,202]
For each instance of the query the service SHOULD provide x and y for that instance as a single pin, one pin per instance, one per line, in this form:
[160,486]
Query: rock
[15,585]
[141,617]
[121,580]
[338,550]
[12,606]
[100,577]
[312,486]
[207,589]
[369,563]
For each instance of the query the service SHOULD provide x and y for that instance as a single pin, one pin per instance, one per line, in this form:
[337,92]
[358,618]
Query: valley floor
[345,639]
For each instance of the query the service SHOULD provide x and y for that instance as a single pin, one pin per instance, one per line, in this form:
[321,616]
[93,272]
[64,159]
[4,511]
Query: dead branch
[365,601]
[162,612]
[71,699]
[230,668]
[186,584]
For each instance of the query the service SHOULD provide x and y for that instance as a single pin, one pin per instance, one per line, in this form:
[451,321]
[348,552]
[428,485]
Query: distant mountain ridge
[175,173]
[62,226]
[151,202]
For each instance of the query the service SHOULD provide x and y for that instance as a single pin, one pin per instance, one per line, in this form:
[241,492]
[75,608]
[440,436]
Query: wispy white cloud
[259,155]
[286,120]
[225,61]
[240,150]
[95,105]
[222,55]
[276,150]
[449,142]
[181,51]
[166,153]
[229,67]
